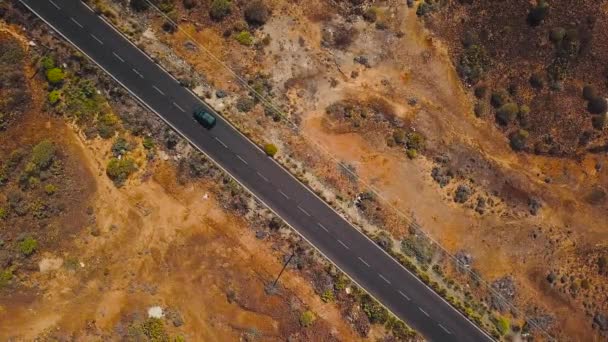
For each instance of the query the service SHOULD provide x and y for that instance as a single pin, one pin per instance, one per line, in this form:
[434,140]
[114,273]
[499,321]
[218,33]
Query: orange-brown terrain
[107,233]
[474,127]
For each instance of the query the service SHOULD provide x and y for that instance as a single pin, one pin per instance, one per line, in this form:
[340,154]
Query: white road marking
[54,4]
[97,39]
[322,226]
[304,211]
[241,159]
[90,9]
[158,90]
[77,23]
[178,107]
[118,57]
[404,295]
[424,312]
[284,195]
[444,329]
[386,280]
[343,244]
[221,142]
[363,261]
[138,73]
[262,176]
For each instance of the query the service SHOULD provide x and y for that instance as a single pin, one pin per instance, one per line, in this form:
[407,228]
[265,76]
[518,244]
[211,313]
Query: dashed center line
[221,142]
[241,159]
[386,280]
[75,22]
[138,73]
[284,195]
[343,244]
[97,39]
[118,57]
[444,329]
[178,107]
[262,176]
[158,90]
[322,226]
[363,261]
[304,211]
[54,4]
[404,295]
[424,312]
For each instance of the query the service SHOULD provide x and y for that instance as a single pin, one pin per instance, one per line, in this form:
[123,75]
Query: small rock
[551,277]
[156,312]
[601,321]
[363,61]
[481,205]
[260,234]
[412,101]
[190,46]
[534,205]
[220,94]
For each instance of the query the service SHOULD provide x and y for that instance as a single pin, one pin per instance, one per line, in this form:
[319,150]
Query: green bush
[245,104]
[6,276]
[148,143]
[400,330]
[270,149]
[589,93]
[28,246]
[481,109]
[503,325]
[257,13]
[599,121]
[119,170]
[54,97]
[597,105]
[473,63]
[374,311]
[371,14]
[220,9]
[557,34]
[55,75]
[507,113]
[499,98]
[411,153]
[139,5]
[47,62]
[43,155]
[307,318]
[3,213]
[327,296]
[152,329]
[50,189]
[518,139]
[244,38]
[602,264]
[399,136]
[538,13]
[415,141]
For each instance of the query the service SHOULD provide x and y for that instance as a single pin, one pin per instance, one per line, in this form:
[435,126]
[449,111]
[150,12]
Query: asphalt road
[355,254]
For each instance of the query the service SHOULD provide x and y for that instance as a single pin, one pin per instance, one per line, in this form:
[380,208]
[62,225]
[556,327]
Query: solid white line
[386,280]
[404,295]
[322,226]
[444,329]
[259,148]
[282,193]
[87,6]
[424,312]
[54,4]
[363,261]
[97,39]
[343,244]
[117,56]
[137,72]
[304,211]
[144,104]
[221,142]
[178,107]
[241,159]
[158,90]
[262,176]
[75,22]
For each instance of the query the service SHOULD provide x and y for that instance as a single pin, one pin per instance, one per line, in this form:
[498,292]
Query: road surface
[356,255]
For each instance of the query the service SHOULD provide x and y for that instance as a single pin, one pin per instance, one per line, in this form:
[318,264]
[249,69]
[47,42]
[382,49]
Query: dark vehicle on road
[204,118]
